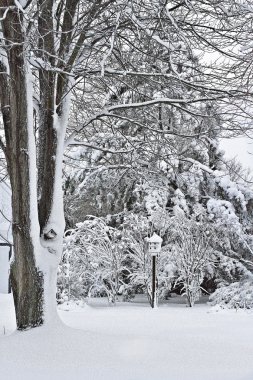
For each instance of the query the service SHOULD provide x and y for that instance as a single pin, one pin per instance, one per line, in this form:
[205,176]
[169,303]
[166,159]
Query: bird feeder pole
[154,247]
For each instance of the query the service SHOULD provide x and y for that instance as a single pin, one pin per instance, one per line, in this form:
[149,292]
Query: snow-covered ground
[130,342]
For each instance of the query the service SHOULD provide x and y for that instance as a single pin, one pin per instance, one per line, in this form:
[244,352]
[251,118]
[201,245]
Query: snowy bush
[92,263]
[191,253]
[238,295]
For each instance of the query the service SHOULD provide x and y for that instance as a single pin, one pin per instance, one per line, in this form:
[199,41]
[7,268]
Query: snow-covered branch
[82,143]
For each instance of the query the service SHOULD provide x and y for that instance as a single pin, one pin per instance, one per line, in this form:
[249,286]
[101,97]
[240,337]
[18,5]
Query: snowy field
[130,342]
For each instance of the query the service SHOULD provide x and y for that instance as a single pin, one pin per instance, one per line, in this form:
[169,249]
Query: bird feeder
[154,244]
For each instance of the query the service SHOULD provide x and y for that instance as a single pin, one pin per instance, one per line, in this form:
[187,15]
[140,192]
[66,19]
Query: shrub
[238,295]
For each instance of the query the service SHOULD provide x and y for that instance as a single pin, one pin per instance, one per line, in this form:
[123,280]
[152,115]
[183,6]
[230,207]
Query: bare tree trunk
[26,279]
[37,203]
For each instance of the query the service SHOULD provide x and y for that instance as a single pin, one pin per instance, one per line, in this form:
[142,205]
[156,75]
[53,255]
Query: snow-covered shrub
[190,251]
[92,263]
[138,261]
[238,295]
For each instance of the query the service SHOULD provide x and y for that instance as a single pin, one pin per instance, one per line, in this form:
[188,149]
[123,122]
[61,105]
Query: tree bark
[26,279]
[37,205]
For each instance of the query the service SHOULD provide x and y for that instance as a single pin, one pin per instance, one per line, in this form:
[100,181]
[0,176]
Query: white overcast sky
[240,148]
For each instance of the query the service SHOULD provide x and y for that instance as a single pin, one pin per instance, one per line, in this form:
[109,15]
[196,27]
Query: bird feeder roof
[155,239]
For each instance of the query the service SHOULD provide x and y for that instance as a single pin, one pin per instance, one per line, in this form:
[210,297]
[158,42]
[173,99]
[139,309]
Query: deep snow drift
[130,342]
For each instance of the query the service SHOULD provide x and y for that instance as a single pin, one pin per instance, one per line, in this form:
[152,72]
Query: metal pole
[153,303]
